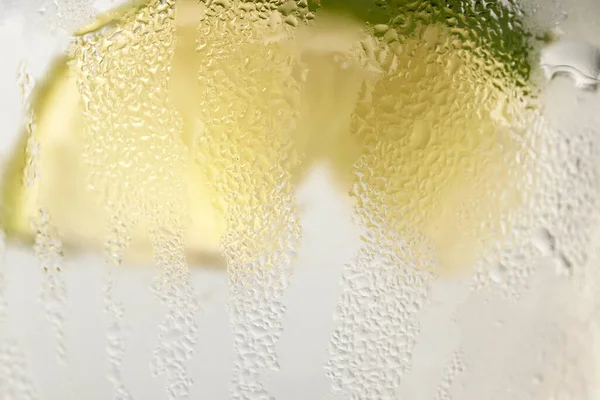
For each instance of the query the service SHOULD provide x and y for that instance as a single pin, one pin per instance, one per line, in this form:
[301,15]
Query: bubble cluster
[434,183]
[554,233]
[559,212]
[377,324]
[14,375]
[53,295]
[455,367]
[178,333]
[136,163]
[57,18]
[245,154]
[47,245]
[116,244]
[67,15]
[569,160]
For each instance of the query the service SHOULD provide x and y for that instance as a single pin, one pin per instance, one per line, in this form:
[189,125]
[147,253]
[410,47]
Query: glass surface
[300,199]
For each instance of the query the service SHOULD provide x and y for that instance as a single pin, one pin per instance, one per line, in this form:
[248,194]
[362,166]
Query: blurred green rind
[495,28]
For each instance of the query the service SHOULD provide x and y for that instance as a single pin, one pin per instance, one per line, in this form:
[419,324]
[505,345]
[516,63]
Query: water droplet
[564,266]
[578,60]
[498,273]
[544,242]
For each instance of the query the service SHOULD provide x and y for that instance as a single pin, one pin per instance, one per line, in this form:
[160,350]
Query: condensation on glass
[296,199]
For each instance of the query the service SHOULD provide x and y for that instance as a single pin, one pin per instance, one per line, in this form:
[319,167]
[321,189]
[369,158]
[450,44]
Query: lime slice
[63,191]
[374,98]
[62,134]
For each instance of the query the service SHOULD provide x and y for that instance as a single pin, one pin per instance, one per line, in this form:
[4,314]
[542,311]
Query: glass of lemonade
[298,199]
